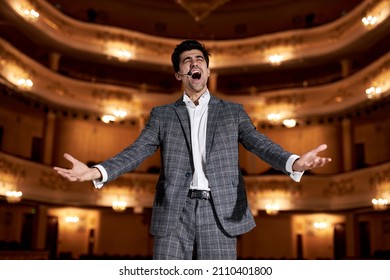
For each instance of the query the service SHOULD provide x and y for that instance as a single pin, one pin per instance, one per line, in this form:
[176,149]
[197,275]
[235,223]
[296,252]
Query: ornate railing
[315,192]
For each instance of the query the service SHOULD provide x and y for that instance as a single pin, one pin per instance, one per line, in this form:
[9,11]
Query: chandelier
[200,9]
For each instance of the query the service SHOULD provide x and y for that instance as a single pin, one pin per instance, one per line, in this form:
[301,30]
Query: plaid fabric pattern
[198,235]
[168,128]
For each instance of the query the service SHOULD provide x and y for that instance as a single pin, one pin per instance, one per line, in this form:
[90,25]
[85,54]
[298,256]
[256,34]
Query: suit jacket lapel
[182,114]
[212,120]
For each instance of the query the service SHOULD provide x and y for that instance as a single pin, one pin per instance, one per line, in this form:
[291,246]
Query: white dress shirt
[198,120]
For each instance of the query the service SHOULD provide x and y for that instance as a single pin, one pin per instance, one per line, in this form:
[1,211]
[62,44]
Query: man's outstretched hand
[79,172]
[310,160]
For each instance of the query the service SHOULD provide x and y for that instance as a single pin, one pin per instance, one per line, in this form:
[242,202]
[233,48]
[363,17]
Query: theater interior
[81,77]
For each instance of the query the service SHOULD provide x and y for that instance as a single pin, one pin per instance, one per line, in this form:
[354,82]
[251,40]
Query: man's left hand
[310,160]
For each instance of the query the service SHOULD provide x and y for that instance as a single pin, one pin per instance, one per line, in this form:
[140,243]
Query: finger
[309,164]
[320,148]
[58,169]
[70,158]
[310,156]
[63,173]
[319,162]
[66,172]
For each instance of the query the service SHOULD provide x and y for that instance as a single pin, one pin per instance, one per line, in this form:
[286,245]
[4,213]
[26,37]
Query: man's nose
[194,63]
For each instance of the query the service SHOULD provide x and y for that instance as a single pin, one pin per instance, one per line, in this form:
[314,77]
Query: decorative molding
[331,192]
[11,172]
[284,188]
[303,102]
[59,89]
[103,96]
[132,185]
[379,182]
[94,38]
[52,181]
[10,58]
[340,188]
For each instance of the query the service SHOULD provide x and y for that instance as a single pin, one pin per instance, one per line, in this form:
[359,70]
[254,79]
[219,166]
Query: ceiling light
[123,55]
[119,113]
[13,196]
[24,83]
[320,225]
[25,9]
[31,14]
[373,92]
[274,117]
[119,205]
[119,50]
[369,20]
[108,118]
[380,203]
[72,219]
[272,208]
[275,59]
[289,123]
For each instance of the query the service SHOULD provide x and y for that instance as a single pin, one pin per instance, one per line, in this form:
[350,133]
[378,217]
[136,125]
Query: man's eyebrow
[197,56]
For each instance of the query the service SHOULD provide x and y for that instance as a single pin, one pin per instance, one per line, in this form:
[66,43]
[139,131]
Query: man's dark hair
[188,45]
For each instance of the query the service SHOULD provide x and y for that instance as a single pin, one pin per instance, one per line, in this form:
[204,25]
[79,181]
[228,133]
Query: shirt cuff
[99,183]
[295,175]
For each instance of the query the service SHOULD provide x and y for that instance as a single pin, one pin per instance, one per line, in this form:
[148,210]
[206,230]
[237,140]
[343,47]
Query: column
[213,83]
[345,67]
[48,141]
[347,144]
[351,232]
[141,123]
[40,227]
[54,61]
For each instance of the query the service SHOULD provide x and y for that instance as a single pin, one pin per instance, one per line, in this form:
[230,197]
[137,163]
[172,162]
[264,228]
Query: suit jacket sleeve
[132,156]
[259,144]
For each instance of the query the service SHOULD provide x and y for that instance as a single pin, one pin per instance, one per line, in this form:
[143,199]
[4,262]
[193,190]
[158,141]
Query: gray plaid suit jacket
[169,129]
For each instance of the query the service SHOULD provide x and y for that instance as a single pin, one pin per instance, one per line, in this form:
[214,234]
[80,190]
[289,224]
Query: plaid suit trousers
[199,235]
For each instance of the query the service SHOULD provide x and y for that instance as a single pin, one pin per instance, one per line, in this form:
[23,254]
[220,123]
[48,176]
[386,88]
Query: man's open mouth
[196,75]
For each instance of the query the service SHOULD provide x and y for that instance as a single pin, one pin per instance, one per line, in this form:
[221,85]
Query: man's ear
[177,76]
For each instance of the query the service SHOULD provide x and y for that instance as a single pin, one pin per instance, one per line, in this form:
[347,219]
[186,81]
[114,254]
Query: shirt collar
[203,100]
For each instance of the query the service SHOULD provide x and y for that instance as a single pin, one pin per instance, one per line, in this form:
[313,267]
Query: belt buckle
[202,194]
[192,194]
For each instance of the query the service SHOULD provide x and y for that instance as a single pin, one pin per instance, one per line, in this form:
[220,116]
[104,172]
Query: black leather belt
[199,194]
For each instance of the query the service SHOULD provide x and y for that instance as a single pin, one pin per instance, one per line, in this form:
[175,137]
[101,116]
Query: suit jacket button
[188,174]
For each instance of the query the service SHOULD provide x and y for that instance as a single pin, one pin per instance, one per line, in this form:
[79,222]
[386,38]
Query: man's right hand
[79,172]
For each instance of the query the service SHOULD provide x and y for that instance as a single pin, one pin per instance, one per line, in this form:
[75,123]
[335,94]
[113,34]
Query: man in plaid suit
[200,204]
